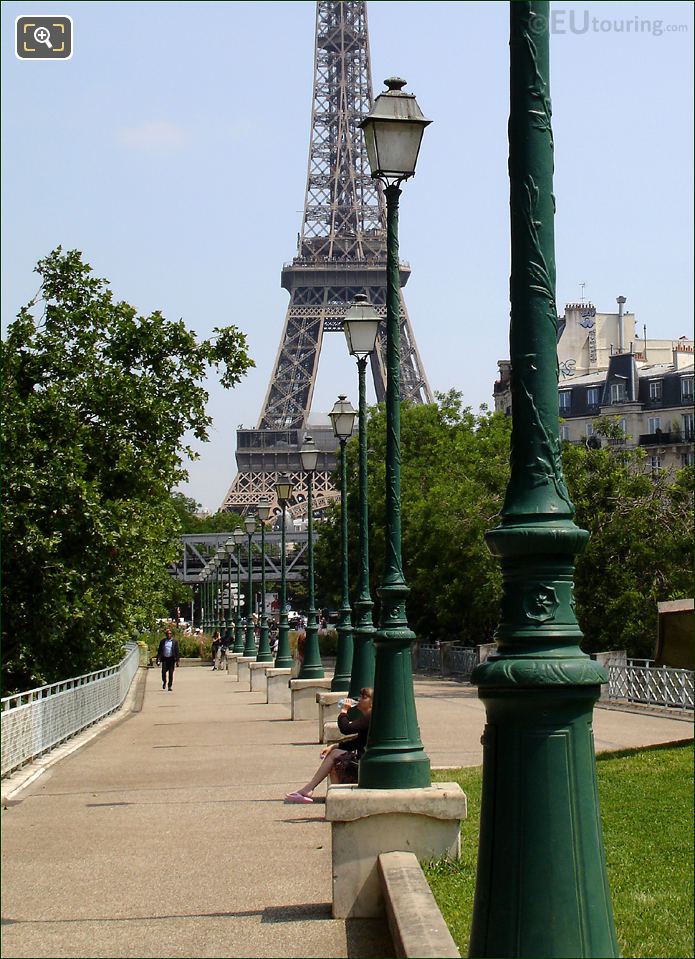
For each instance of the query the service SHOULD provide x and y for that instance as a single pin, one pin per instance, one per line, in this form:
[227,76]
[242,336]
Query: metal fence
[654,687]
[446,659]
[37,720]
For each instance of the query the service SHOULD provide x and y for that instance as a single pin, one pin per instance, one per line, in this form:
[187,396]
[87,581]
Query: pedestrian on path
[216,644]
[340,760]
[168,657]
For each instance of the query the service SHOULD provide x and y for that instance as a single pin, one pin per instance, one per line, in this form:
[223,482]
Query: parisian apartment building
[608,369]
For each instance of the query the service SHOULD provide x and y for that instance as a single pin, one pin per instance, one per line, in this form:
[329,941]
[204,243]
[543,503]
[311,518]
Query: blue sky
[172,150]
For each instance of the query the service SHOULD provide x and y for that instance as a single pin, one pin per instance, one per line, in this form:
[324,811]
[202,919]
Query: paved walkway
[166,835]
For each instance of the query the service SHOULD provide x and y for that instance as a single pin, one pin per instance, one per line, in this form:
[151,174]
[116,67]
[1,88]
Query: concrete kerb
[26,775]
[417,926]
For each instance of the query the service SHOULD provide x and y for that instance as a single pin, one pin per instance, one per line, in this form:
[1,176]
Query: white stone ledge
[438,801]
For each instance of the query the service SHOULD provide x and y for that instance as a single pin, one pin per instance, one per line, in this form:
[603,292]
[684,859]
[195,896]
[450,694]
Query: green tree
[191,520]
[453,477]
[640,546]
[453,474]
[97,401]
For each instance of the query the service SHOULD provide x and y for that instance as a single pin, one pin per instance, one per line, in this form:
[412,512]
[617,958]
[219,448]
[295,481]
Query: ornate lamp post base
[541,890]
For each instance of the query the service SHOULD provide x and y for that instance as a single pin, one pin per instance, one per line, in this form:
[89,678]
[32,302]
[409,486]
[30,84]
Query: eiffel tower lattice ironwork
[341,252]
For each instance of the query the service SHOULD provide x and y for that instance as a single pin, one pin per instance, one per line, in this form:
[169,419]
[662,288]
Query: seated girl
[339,761]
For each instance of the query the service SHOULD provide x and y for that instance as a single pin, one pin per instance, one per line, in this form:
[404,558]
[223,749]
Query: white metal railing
[428,657]
[447,659]
[37,720]
[654,687]
[463,660]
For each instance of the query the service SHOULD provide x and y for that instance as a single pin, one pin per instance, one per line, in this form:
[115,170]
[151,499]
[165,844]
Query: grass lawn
[646,801]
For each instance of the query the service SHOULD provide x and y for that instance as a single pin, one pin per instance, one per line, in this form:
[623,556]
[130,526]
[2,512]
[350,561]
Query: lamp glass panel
[361,335]
[283,489]
[343,424]
[309,457]
[397,146]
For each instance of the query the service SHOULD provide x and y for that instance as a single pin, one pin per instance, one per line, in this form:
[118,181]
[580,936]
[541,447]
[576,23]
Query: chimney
[621,333]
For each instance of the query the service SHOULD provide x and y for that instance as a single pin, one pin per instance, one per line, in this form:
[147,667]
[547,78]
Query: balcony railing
[661,439]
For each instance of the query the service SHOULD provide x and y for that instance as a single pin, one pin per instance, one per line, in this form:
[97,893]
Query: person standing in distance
[168,656]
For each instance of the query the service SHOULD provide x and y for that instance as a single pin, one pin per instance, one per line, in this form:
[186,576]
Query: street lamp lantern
[263,508]
[283,660]
[393,132]
[283,488]
[342,417]
[238,536]
[250,524]
[312,667]
[361,325]
[308,454]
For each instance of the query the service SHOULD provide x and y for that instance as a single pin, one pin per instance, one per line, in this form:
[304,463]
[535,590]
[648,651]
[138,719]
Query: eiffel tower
[341,252]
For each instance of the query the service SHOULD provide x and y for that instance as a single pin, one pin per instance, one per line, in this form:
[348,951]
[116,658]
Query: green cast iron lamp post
[220,554]
[250,647]
[394,757]
[312,667]
[238,536]
[342,417]
[361,327]
[283,659]
[228,623]
[264,653]
[203,599]
[541,886]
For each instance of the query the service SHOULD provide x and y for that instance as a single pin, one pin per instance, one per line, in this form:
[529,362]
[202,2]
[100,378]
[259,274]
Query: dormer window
[617,392]
[592,396]
[655,389]
[565,401]
[686,389]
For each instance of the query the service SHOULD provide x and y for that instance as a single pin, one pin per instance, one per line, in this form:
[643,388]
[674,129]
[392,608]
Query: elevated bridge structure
[198,548]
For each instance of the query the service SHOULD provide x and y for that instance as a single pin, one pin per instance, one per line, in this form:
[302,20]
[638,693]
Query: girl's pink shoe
[298,798]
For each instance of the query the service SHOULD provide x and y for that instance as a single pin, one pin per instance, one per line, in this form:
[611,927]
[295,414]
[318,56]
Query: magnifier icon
[43,35]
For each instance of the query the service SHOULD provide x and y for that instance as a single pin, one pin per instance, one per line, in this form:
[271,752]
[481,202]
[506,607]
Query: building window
[687,389]
[655,463]
[564,432]
[654,424]
[617,392]
[592,396]
[565,401]
[688,426]
[590,429]
[655,389]
[688,459]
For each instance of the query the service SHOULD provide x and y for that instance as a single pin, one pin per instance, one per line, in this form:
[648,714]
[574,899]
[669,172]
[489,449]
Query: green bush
[328,643]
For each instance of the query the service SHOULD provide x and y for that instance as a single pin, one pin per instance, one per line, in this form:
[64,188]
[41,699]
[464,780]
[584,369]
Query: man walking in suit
[168,656]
